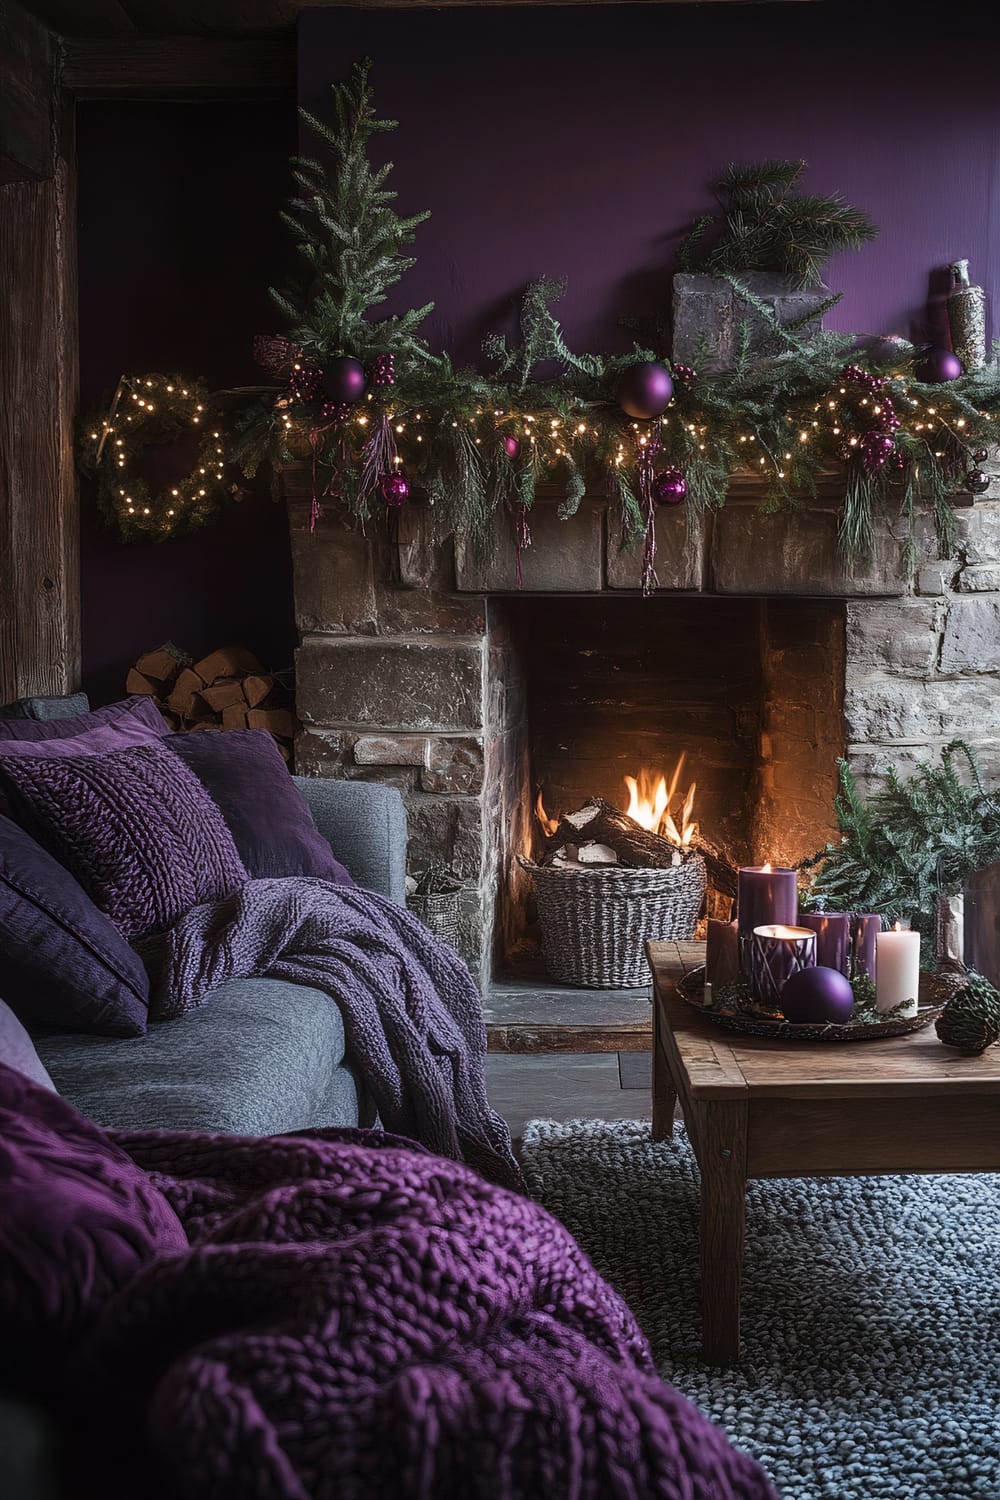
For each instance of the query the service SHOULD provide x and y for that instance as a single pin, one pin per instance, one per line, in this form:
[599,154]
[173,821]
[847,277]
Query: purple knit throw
[136,827]
[412,1016]
[357,1319]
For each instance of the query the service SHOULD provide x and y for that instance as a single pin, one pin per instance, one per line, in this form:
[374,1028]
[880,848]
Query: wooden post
[39,511]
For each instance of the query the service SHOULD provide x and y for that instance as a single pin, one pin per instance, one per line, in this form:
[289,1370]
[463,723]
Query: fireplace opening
[740,699]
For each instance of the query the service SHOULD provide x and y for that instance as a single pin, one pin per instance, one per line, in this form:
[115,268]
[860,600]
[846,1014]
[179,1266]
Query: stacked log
[228,689]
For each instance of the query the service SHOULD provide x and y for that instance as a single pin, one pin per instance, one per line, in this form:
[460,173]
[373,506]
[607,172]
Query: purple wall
[179,238]
[579,141]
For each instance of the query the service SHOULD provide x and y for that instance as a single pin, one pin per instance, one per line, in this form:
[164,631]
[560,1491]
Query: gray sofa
[260,1056]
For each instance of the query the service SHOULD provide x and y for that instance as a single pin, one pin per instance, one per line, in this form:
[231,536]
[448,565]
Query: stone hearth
[426,683]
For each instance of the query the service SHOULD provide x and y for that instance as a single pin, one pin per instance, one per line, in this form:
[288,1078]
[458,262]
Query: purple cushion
[103,727]
[62,962]
[78,1219]
[264,810]
[17,1050]
[136,827]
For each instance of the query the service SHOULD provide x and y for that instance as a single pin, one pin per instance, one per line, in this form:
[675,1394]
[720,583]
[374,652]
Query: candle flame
[898,927]
[766,869]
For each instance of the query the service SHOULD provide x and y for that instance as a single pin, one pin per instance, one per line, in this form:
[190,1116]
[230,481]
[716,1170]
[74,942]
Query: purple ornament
[818,995]
[384,370]
[980,455]
[344,380]
[304,382]
[939,365]
[395,490]
[686,373]
[876,449]
[512,447]
[977,481]
[669,487]
[645,390]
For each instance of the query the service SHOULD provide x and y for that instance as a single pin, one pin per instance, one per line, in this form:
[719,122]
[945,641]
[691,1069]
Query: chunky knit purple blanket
[356,1318]
[412,1015]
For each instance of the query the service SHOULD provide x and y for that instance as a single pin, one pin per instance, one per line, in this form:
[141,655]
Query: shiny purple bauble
[938,366]
[817,996]
[395,490]
[645,390]
[512,446]
[344,380]
[977,481]
[669,487]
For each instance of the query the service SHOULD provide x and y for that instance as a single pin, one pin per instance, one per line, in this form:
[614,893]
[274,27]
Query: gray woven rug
[871,1310]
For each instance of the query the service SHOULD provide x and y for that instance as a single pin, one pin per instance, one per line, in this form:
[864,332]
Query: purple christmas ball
[669,487]
[645,390]
[395,490]
[977,481]
[939,365]
[512,446]
[344,380]
[816,996]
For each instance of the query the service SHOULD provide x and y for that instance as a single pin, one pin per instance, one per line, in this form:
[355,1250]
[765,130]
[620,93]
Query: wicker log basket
[596,920]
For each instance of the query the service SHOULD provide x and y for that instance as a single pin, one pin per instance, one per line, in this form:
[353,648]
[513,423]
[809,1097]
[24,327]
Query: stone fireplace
[762,658]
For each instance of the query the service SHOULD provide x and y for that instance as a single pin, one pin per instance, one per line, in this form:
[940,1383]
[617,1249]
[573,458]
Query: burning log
[598,823]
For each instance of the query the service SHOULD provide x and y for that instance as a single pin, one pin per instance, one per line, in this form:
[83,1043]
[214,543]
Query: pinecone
[971,1019]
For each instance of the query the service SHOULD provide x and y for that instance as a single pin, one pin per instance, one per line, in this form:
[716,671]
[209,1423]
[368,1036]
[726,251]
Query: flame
[649,803]
[898,927]
[767,869]
[549,825]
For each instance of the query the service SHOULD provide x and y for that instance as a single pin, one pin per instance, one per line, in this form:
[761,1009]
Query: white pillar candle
[897,970]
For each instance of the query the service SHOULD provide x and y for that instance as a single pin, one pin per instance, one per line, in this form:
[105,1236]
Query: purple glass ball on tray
[938,365]
[645,390]
[817,996]
[344,380]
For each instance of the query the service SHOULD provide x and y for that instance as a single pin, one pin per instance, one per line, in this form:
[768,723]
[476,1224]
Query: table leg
[664,1091]
[723,1161]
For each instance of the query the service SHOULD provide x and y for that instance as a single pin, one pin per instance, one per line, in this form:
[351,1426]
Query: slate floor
[569,1086]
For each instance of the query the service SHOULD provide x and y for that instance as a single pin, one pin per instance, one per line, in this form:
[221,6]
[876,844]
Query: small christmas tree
[766,224]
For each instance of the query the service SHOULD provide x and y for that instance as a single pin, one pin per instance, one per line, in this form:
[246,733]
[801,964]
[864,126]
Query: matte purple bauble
[395,490]
[645,390]
[816,996]
[512,446]
[344,380]
[669,487]
[939,365]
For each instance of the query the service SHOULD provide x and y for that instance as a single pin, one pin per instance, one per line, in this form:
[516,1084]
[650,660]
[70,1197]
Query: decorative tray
[935,992]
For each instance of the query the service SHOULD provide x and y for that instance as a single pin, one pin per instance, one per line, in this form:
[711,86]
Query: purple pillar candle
[766,897]
[776,953]
[722,962]
[864,927]
[833,938]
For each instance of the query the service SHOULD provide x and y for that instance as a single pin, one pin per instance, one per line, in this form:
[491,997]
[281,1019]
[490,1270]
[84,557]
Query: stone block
[680,552]
[980,578]
[567,556]
[871,763]
[707,313]
[453,766]
[333,576]
[445,830]
[902,636]
[935,578]
[413,686]
[878,710]
[796,552]
[972,636]
[410,611]
[978,534]
[321,752]
[391,750]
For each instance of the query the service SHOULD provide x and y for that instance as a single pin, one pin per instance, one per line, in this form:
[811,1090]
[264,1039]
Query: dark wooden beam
[173,67]
[25,96]
[83,17]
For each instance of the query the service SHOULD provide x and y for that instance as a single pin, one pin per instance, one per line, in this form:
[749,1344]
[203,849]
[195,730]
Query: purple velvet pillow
[104,728]
[136,827]
[269,819]
[78,1219]
[62,962]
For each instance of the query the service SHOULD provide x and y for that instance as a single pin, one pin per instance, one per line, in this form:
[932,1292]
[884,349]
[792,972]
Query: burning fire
[650,802]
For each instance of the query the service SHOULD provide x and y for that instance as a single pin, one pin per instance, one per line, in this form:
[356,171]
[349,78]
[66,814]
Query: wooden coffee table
[754,1107]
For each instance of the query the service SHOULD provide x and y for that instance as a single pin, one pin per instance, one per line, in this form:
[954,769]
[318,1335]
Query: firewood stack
[228,689]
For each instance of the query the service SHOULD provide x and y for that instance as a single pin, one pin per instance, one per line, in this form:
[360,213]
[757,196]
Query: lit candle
[833,937]
[766,896]
[865,928]
[776,953]
[897,970]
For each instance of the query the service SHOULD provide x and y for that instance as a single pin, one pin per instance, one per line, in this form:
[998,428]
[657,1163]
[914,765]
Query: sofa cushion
[269,819]
[78,1219]
[135,826]
[104,727]
[17,1050]
[258,1057]
[62,962]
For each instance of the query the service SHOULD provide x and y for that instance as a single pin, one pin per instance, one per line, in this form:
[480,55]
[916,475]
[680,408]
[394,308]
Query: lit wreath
[149,411]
